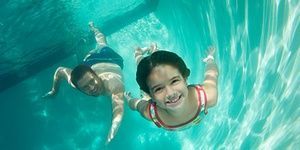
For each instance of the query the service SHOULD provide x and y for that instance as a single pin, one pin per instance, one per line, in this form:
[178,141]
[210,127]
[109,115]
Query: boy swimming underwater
[99,74]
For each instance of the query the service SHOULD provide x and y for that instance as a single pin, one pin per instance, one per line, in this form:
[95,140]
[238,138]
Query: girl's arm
[211,79]
[140,52]
[139,105]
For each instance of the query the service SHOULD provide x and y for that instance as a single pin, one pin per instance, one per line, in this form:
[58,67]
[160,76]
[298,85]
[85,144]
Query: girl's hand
[153,48]
[132,102]
[147,50]
[128,96]
[210,57]
[211,50]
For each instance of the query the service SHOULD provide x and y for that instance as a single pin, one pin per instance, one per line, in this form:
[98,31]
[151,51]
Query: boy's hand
[91,24]
[50,94]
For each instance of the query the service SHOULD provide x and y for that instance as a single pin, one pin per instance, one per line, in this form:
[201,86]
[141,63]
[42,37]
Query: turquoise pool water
[258,50]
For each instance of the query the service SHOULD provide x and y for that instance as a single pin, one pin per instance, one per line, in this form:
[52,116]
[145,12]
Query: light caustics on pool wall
[258,56]
[29,31]
[258,47]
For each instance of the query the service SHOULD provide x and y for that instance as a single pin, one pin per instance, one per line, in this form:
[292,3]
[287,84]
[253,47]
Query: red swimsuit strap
[153,106]
[198,89]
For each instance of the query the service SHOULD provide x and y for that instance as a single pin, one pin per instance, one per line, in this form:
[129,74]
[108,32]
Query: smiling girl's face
[167,87]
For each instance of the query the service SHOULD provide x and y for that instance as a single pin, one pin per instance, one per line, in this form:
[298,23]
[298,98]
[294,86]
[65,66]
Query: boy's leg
[100,37]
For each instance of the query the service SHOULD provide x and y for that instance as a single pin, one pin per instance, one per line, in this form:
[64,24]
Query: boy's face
[90,84]
[167,87]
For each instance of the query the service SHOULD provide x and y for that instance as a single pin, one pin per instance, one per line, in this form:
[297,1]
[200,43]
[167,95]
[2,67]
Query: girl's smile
[167,87]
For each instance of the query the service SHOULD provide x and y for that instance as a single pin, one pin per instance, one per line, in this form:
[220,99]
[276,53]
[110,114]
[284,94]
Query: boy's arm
[139,105]
[118,112]
[60,73]
[211,79]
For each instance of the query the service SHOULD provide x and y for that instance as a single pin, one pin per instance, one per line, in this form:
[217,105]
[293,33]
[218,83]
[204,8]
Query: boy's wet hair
[146,65]
[78,72]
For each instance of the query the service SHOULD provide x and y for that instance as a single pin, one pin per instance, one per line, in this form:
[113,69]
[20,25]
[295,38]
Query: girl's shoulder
[194,85]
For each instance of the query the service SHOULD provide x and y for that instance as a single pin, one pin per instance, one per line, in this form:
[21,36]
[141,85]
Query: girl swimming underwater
[173,104]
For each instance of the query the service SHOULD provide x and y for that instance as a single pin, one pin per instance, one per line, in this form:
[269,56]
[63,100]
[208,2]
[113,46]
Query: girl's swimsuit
[201,112]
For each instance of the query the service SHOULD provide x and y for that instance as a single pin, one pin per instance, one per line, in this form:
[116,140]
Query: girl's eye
[157,90]
[175,81]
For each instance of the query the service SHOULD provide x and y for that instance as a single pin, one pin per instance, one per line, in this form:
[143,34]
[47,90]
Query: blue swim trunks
[103,54]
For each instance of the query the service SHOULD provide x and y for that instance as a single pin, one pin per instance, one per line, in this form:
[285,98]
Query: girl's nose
[170,93]
[171,97]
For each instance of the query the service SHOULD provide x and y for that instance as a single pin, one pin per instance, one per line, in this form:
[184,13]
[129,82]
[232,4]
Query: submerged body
[99,74]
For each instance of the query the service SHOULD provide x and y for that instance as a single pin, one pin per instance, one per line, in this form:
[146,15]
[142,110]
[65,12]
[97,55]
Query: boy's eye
[86,87]
[92,82]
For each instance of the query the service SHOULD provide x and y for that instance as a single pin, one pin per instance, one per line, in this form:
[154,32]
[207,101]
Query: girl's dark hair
[146,65]
[78,72]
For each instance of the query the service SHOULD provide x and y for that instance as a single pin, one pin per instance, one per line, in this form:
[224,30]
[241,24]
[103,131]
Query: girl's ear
[188,74]
[185,80]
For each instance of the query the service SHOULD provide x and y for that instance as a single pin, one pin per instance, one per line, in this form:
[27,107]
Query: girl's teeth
[173,101]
